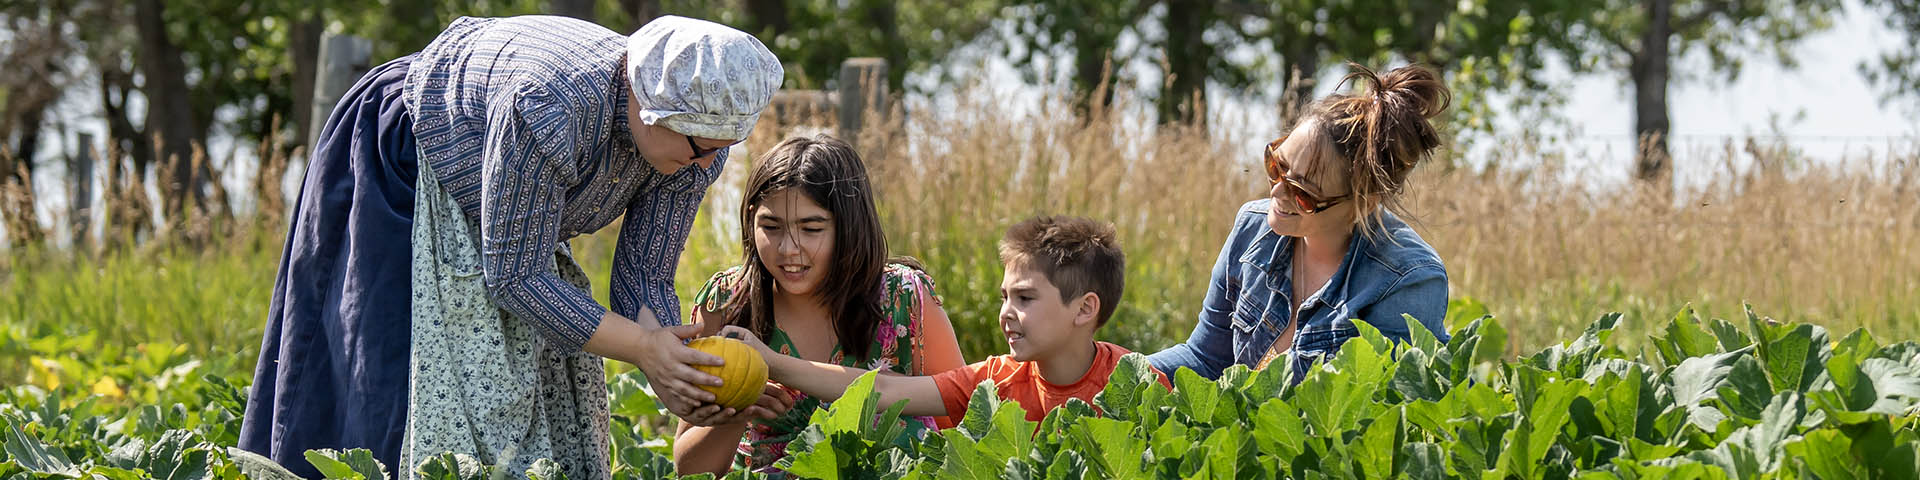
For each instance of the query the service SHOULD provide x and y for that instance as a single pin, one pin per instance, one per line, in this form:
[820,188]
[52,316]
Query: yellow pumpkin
[743,377]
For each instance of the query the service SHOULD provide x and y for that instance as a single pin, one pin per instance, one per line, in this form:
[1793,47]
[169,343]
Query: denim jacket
[1393,273]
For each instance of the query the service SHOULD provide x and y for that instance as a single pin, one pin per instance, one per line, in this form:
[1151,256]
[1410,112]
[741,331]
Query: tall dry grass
[1831,243]
[1527,238]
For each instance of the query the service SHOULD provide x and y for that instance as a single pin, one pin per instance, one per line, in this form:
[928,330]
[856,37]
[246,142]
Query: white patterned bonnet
[701,78]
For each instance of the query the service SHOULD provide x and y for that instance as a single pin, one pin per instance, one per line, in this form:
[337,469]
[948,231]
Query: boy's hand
[773,403]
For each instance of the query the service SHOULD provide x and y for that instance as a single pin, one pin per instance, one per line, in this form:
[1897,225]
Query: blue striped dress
[524,121]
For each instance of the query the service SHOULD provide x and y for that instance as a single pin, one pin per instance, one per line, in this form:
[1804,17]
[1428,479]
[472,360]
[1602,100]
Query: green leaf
[351,464]
[1487,344]
[897,464]
[1229,454]
[1420,337]
[1753,451]
[1431,417]
[1902,462]
[1121,398]
[1544,398]
[128,455]
[1278,429]
[1336,396]
[1068,465]
[644,463]
[256,467]
[545,469]
[632,397]
[1413,377]
[889,425]
[1747,390]
[1235,377]
[964,459]
[1464,311]
[1843,368]
[1423,461]
[980,410]
[1828,454]
[1791,353]
[1894,385]
[855,409]
[814,455]
[1379,442]
[1169,442]
[34,456]
[1011,434]
[1197,396]
[1697,380]
[1370,334]
[177,456]
[452,466]
[1479,441]
[1728,336]
[1114,450]
[102,472]
[1685,339]
[1266,383]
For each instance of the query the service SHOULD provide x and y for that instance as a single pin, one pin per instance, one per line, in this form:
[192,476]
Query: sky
[1825,107]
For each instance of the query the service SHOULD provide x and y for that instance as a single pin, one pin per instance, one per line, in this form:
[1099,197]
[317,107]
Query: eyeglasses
[1307,203]
[697,151]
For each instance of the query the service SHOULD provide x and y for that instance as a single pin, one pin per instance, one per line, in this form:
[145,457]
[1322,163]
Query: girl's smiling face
[794,239]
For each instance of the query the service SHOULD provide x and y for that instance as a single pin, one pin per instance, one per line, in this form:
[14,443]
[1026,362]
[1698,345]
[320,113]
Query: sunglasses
[697,151]
[1307,203]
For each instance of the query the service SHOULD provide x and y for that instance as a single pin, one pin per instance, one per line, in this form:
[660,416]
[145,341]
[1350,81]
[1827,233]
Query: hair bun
[1409,88]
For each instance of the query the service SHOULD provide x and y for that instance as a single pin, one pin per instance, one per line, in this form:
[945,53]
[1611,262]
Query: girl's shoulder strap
[720,289]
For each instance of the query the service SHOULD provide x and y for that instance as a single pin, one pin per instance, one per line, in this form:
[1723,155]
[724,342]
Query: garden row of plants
[1701,399]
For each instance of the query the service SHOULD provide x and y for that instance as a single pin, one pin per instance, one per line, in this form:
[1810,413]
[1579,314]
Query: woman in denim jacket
[1326,247]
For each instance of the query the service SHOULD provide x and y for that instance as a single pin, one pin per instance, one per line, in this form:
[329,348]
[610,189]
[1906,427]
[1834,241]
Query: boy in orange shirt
[1063,279]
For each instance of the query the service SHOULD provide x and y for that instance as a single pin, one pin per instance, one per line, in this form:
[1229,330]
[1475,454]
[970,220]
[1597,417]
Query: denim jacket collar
[1272,252]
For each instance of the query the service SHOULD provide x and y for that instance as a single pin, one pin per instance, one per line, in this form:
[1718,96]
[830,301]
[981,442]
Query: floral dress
[897,346]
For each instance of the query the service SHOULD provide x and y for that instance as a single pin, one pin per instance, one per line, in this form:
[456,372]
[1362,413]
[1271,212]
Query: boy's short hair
[1078,255]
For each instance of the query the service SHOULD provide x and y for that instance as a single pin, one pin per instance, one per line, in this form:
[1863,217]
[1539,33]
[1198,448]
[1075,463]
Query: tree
[1293,40]
[812,37]
[29,87]
[1897,71]
[1642,37]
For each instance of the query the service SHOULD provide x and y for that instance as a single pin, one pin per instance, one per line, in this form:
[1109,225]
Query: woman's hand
[668,364]
[773,403]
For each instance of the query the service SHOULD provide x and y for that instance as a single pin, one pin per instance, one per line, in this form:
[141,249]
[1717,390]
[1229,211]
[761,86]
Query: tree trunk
[1424,38]
[120,132]
[769,16]
[1183,98]
[170,114]
[1650,76]
[581,9]
[1300,67]
[28,145]
[305,46]
[1092,77]
[885,17]
[641,12]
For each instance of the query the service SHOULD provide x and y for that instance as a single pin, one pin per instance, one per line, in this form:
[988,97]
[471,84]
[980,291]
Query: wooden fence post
[80,164]
[863,88]
[343,60]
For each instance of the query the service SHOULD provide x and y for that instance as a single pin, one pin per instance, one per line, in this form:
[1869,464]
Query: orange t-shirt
[1021,382]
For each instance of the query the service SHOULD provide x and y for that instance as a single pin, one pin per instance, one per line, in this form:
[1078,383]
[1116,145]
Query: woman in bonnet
[427,301]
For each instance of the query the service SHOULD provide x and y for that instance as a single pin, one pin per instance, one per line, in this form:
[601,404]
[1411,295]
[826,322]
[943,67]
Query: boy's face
[1033,317]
